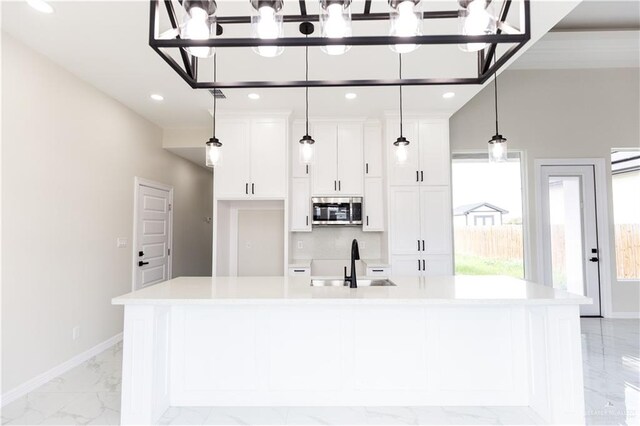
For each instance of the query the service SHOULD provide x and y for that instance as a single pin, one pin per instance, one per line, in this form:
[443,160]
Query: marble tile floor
[90,394]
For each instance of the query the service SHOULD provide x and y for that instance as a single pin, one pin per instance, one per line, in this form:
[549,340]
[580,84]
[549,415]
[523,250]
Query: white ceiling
[105,43]
[598,15]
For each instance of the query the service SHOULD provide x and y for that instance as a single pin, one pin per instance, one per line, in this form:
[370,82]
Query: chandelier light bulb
[335,20]
[197,26]
[476,20]
[406,21]
[267,25]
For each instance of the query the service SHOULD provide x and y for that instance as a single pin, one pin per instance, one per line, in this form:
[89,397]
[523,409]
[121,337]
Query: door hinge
[170,207]
[168,252]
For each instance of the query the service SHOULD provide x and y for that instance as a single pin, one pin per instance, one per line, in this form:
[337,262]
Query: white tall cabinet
[420,211]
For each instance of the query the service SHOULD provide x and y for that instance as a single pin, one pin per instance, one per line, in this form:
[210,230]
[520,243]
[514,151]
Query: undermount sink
[341,283]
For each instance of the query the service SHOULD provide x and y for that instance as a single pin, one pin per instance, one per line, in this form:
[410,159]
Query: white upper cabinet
[268,157]
[254,158]
[373,219]
[325,159]
[338,159]
[435,160]
[297,168]
[372,150]
[350,156]
[409,172]
[231,175]
[300,205]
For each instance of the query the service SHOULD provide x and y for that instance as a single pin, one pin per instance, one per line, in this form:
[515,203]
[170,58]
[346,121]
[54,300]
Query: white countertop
[444,290]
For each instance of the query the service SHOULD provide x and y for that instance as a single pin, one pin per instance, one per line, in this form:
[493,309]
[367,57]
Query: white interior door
[569,232]
[153,235]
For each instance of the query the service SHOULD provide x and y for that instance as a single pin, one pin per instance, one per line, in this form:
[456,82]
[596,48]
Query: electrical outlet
[75,333]
[121,242]
[300,246]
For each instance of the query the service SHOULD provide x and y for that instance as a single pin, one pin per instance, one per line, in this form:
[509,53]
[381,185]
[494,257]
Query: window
[487,222]
[625,169]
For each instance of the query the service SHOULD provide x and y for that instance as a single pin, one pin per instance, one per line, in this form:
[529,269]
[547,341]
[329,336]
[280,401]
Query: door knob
[142,263]
[593,259]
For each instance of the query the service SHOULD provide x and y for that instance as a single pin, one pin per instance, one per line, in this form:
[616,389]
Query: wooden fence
[505,243]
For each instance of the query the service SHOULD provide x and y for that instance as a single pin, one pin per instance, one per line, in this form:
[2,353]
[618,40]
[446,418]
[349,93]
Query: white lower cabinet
[373,219]
[300,205]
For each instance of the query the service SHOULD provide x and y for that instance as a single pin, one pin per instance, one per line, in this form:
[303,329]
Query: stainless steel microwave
[337,210]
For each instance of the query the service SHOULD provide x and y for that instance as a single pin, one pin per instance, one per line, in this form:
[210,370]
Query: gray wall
[69,157]
[559,114]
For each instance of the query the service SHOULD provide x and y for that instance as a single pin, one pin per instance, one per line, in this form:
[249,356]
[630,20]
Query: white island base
[449,341]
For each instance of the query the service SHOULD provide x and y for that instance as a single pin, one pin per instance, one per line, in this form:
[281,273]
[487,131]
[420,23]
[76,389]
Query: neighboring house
[478,214]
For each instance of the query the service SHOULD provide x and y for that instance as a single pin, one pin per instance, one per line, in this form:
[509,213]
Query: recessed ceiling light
[157,97]
[448,95]
[254,96]
[350,95]
[40,6]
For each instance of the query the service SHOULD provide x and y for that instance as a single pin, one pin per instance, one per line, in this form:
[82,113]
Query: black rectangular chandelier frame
[488,61]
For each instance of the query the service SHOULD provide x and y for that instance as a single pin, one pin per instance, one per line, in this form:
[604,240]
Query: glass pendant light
[213,146]
[266,24]
[199,23]
[498,143]
[401,151]
[406,21]
[306,143]
[475,18]
[335,22]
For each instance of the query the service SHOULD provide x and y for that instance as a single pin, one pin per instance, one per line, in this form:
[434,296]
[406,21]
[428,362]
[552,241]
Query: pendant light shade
[266,24]
[475,18]
[335,22]
[498,143]
[306,142]
[405,21]
[497,149]
[213,150]
[401,144]
[199,23]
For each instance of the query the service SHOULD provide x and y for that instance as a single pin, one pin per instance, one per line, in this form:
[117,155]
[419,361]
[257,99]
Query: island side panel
[556,376]
[345,355]
[145,364]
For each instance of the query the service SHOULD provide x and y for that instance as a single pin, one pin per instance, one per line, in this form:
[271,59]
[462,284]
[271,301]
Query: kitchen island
[277,341]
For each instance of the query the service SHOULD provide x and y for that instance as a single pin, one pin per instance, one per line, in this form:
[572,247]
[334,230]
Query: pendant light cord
[306,87]
[400,74]
[215,55]
[495,93]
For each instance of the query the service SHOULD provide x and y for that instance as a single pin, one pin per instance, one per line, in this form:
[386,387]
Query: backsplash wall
[334,243]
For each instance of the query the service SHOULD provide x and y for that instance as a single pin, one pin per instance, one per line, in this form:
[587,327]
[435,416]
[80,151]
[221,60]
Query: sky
[499,184]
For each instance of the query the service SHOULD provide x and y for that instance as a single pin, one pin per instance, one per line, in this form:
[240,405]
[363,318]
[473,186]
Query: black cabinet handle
[299,270]
[417,176]
[339,185]
[419,265]
[253,188]
[366,168]
[335,185]
[422,245]
[418,245]
[142,263]
[377,270]
[307,220]
[246,188]
[421,176]
[424,265]
[306,168]
[367,220]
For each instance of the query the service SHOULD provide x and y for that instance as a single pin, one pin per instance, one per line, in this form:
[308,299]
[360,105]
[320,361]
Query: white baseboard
[624,315]
[58,370]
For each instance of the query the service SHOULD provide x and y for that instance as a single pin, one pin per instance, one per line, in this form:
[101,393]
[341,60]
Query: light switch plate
[121,242]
